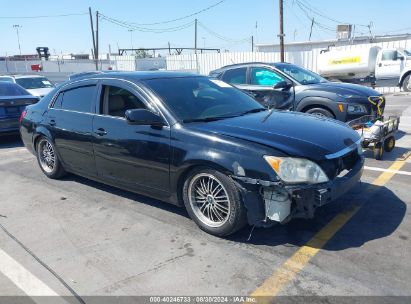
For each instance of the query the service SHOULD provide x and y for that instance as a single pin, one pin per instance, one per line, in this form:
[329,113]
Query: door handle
[52,122]
[101,132]
[380,65]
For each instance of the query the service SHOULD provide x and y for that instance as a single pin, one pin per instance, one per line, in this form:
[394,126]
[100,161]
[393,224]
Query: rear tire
[213,202]
[378,151]
[48,160]
[320,112]
[406,84]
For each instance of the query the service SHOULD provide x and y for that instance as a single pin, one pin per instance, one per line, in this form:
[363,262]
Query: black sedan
[13,101]
[194,142]
[287,86]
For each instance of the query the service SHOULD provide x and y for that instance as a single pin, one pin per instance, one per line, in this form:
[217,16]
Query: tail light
[22,115]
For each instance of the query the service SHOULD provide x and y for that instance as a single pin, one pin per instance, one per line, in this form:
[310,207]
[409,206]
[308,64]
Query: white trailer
[373,66]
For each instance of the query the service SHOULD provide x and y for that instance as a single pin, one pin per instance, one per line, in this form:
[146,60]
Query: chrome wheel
[209,200]
[46,155]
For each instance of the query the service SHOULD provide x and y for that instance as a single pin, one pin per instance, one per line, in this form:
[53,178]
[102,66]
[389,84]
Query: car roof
[138,75]
[245,64]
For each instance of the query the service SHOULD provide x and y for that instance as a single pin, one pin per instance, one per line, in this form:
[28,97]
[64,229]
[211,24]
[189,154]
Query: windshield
[11,89]
[34,83]
[202,99]
[407,53]
[301,75]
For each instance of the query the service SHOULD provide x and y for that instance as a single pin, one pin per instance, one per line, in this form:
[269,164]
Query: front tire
[48,160]
[213,202]
[320,112]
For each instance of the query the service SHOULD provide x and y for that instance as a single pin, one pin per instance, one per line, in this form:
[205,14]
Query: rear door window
[79,99]
[235,76]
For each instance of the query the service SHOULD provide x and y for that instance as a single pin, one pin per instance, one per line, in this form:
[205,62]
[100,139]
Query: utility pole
[252,43]
[169,48]
[195,37]
[96,53]
[131,33]
[17,26]
[311,30]
[281,35]
[195,45]
[92,34]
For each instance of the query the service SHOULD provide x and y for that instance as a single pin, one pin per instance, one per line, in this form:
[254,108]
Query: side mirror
[399,57]
[282,85]
[143,117]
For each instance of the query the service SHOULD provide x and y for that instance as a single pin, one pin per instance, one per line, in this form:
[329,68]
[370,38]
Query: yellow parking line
[290,269]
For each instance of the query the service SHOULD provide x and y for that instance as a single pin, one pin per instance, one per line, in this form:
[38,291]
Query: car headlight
[356,109]
[297,170]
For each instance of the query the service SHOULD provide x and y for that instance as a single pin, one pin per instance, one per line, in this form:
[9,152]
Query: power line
[221,37]
[183,17]
[43,16]
[130,26]
[319,13]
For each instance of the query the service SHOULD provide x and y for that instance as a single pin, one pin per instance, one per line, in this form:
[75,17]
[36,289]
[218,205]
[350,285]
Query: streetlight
[131,37]
[17,26]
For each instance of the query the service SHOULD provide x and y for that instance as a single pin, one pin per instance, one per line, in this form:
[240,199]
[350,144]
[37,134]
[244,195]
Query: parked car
[194,142]
[13,101]
[286,86]
[37,85]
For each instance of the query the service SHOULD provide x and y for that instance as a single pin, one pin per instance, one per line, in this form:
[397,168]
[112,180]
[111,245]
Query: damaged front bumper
[269,202]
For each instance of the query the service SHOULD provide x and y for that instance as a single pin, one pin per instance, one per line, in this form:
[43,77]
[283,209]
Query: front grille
[333,167]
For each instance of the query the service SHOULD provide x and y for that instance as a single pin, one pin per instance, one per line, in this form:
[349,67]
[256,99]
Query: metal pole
[311,30]
[96,52]
[17,26]
[195,45]
[94,40]
[281,35]
[131,37]
[195,37]
[252,43]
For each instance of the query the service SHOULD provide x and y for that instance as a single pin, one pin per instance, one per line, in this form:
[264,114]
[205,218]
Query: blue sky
[234,20]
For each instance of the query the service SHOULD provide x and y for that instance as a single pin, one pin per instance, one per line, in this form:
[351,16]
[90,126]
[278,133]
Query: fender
[312,101]
[41,131]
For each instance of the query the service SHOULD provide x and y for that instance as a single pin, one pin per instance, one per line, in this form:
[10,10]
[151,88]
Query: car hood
[296,134]
[40,91]
[342,89]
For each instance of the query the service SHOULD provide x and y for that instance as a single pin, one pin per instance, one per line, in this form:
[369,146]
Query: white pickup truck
[373,66]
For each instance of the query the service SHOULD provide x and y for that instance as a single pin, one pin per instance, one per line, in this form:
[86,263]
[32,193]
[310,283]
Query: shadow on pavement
[395,154]
[380,214]
[128,195]
[10,141]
